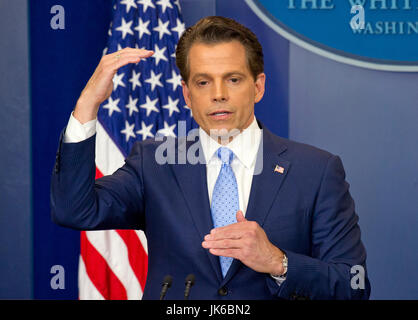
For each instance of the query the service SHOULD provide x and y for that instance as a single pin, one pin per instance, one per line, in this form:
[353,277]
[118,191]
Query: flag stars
[112,105]
[142,28]
[164,4]
[117,81]
[159,54]
[145,4]
[125,28]
[175,80]
[109,32]
[149,105]
[131,106]
[171,106]
[128,131]
[162,28]
[179,28]
[135,79]
[145,131]
[167,130]
[177,3]
[173,55]
[154,80]
[128,4]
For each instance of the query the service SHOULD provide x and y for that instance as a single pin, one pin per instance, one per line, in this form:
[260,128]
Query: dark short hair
[214,30]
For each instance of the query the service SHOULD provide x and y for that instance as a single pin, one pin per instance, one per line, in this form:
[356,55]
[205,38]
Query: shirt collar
[244,145]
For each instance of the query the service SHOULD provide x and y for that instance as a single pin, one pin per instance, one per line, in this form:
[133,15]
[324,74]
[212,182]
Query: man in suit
[261,217]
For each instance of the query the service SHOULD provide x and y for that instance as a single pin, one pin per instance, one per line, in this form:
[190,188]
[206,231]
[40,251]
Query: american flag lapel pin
[279,169]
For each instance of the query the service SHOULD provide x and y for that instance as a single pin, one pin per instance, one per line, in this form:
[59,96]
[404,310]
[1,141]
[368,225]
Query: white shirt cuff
[77,132]
[279,279]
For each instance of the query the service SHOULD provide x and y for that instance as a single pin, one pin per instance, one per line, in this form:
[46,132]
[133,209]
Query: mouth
[221,114]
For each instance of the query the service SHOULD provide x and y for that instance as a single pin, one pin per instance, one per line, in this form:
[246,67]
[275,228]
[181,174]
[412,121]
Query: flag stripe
[137,255]
[99,272]
[114,251]
[143,239]
[87,290]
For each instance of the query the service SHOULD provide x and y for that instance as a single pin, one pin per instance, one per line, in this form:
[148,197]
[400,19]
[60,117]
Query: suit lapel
[193,184]
[265,185]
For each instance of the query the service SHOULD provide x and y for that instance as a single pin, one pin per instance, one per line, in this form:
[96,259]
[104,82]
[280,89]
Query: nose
[220,92]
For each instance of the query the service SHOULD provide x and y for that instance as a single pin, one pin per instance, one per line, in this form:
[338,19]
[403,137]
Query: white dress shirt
[244,146]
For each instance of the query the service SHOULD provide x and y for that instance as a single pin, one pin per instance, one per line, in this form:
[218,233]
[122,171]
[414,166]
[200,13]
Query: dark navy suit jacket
[306,211]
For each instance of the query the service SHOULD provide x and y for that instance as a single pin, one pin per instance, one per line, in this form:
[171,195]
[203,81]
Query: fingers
[240,216]
[233,253]
[143,53]
[124,60]
[125,56]
[130,58]
[223,244]
[234,231]
[110,63]
[233,236]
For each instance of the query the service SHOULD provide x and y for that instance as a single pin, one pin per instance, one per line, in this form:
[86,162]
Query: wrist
[279,264]
[85,110]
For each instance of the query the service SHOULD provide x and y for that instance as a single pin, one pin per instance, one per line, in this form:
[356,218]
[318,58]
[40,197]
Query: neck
[225,136]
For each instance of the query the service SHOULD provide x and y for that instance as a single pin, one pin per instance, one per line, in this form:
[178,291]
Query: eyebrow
[206,75]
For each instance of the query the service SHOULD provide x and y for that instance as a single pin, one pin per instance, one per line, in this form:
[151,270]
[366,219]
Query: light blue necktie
[225,203]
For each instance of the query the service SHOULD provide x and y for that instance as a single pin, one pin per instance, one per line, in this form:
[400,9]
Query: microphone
[189,283]
[168,280]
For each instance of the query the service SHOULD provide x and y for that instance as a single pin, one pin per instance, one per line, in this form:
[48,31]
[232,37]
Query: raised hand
[100,86]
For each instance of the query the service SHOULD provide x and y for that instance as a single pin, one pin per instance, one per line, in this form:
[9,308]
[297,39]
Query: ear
[259,87]
[186,94]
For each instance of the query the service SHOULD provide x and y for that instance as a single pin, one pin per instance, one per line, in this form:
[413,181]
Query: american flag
[146,99]
[279,169]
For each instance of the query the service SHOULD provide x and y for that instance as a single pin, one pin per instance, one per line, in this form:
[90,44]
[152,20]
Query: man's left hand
[247,242]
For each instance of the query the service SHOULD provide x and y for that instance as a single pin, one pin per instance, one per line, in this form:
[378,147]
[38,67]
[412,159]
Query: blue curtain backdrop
[62,61]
